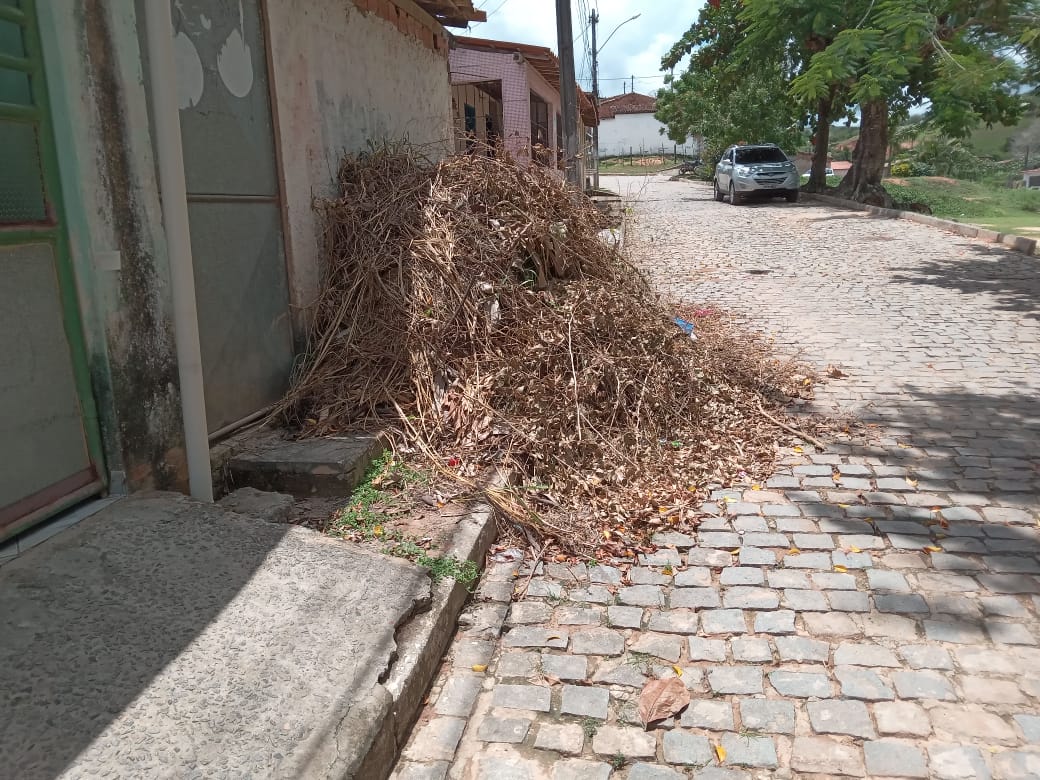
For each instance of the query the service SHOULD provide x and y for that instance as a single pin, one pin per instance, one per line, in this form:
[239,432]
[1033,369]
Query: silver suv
[765,170]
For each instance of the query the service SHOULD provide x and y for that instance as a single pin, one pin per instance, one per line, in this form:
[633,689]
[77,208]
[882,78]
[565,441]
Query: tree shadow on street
[1009,279]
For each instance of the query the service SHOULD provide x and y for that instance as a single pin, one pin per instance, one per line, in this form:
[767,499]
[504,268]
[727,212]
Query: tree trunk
[818,171]
[863,181]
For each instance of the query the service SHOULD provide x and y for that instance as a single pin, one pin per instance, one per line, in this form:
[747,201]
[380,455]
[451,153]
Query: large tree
[800,29]
[720,97]
[951,53]
[881,57]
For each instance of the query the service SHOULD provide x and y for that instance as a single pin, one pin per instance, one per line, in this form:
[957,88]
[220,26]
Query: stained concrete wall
[345,78]
[636,132]
[114,220]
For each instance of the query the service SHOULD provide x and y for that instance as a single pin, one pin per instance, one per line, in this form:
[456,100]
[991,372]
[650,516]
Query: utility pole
[593,21]
[633,84]
[568,91]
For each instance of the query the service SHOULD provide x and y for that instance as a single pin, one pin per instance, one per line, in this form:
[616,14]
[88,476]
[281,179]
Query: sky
[635,50]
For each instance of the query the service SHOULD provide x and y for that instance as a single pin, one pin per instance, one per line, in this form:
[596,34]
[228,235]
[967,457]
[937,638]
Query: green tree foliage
[723,99]
[818,58]
[953,53]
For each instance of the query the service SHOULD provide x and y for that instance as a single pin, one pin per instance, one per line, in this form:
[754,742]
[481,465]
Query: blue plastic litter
[684,326]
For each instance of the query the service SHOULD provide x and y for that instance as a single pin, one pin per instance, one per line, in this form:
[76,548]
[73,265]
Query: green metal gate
[50,451]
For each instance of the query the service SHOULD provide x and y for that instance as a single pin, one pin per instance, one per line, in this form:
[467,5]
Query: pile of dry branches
[474,307]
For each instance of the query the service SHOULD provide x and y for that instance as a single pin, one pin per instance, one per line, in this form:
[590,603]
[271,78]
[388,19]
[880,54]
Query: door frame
[53,231]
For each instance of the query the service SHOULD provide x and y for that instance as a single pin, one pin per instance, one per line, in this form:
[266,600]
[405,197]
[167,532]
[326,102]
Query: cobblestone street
[871,610]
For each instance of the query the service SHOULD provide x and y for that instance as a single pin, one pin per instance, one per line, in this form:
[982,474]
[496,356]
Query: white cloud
[634,50]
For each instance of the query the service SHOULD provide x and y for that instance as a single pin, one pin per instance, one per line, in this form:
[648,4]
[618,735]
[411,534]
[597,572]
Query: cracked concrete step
[164,637]
[331,466]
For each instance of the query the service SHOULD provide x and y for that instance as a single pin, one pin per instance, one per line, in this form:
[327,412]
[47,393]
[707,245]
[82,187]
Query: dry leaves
[472,307]
[662,699]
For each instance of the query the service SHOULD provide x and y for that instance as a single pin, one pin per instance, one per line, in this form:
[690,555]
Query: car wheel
[734,198]
[718,193]
[792,196]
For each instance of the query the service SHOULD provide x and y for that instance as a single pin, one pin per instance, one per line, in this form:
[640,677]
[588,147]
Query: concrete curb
[421,646]
[1026,246]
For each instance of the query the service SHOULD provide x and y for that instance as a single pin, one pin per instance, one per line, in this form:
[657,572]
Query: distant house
[841,167]
[628,126]
[1031,178]
[510,93]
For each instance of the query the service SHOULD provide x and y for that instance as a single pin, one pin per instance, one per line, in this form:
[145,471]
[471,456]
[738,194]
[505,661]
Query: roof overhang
[452,13]
[543,60]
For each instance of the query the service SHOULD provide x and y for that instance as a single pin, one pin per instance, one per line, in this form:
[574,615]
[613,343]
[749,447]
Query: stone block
[859,683]
[687,749]
[802,649]
[521,697]
[835,716]
[628,741]
[735,679]
[902,718]
[801,684]
[779,622]
[826,757]
[511,730]
[723,621]
[597,641]
[711,714]
[770,716]
[894,758]
[561,737]
[923,685]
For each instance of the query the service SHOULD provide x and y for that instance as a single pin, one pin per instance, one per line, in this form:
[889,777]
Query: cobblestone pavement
[870,610]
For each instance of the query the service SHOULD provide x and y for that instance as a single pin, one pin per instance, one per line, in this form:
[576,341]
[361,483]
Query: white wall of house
[342,79]
[636,132]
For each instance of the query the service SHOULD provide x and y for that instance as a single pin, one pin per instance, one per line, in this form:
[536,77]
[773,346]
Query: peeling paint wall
[345,79]
[114,221]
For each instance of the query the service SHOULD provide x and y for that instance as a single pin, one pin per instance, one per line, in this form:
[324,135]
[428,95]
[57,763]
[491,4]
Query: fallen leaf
[479,667]
[667,571]
[855,549]
[911,482]
[903,446]
[835,373]
[839,568]
[756,487]
[551,637]
[678,671]
[798,449]
[933,548]
[844,506]
[794,551]
[836,476]
[735,552]
[720,753]
[662,699]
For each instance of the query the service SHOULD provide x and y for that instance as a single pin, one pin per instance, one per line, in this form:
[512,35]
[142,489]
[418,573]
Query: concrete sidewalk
[166,638]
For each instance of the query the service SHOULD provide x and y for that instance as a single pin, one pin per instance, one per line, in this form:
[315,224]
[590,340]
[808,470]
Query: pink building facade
[509,93]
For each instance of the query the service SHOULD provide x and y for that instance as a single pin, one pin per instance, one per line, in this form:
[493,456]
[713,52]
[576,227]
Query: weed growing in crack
[365,518]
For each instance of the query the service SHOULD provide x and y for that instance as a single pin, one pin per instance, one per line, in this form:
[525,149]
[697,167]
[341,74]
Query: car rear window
[765,154]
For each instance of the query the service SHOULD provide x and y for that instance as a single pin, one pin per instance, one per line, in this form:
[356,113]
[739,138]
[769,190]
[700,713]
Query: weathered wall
[114,220]
[636,132]
[345,78]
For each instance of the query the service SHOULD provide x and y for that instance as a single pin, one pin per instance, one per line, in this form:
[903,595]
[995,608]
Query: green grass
[997,208]
[624,166]
[366,518]
[992,141]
